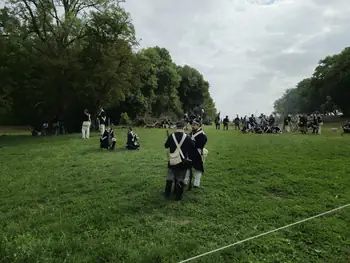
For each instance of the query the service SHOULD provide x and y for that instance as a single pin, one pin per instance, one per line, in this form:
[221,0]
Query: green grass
[63,200]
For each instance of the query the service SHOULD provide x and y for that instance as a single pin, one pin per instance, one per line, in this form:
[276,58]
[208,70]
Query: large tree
[326,91]
[61,56]
[73,49]
[332,78]
[194,92]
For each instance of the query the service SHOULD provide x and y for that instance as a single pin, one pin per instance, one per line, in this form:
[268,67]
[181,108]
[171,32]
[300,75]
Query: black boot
[167,191]
[179,191]
[175,185]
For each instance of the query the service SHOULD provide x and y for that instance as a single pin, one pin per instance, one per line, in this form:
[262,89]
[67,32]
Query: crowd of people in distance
[262,124]
[268,124]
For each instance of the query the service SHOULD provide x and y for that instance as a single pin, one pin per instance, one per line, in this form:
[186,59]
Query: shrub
[124,119]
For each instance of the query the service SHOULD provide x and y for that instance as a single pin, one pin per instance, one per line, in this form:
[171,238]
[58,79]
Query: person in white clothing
[102,121]
[85,129]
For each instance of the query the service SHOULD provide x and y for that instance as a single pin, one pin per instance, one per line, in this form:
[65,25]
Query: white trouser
[196,175]
[102,128]
[187,176]
[85,129]
[319,129]
[287,128]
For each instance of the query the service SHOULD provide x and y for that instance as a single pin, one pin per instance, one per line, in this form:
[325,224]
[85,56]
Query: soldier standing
[237,121]
[217,121]
[199,154]
[180,146]
[102,121]
[226,121]
[303,124]
[252,122]
[85,129]
[287,123]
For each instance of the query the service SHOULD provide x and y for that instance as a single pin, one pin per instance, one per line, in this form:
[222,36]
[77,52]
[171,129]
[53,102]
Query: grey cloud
[335,3]
[301,21]
[245,48]
[272,44]
[293,63]
[263,2]
[314,50]
[330,43]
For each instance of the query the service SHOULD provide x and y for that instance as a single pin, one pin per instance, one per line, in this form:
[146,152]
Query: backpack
[177,156]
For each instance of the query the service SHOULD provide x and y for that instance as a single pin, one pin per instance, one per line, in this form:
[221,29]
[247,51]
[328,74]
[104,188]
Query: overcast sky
[250,51]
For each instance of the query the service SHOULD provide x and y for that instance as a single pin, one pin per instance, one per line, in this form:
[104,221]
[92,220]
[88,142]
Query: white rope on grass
[266,233]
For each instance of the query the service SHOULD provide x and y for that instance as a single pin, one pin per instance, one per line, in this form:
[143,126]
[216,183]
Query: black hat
[180,124]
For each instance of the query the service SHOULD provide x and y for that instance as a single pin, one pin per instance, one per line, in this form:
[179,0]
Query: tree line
[326,91]
[58,57]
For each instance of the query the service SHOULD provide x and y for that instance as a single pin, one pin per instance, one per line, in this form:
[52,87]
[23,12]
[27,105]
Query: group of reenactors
[107,136]
[262,124]
[187,152]
[267,124]
[313,122]
[187,155]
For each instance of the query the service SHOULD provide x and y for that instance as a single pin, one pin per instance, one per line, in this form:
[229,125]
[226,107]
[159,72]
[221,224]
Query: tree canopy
[61,56]
[326,91]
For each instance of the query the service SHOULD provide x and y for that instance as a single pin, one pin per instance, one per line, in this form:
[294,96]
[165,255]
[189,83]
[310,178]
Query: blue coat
[200,140]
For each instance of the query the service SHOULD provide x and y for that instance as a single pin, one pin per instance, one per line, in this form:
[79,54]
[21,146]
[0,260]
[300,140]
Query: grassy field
[63,200]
